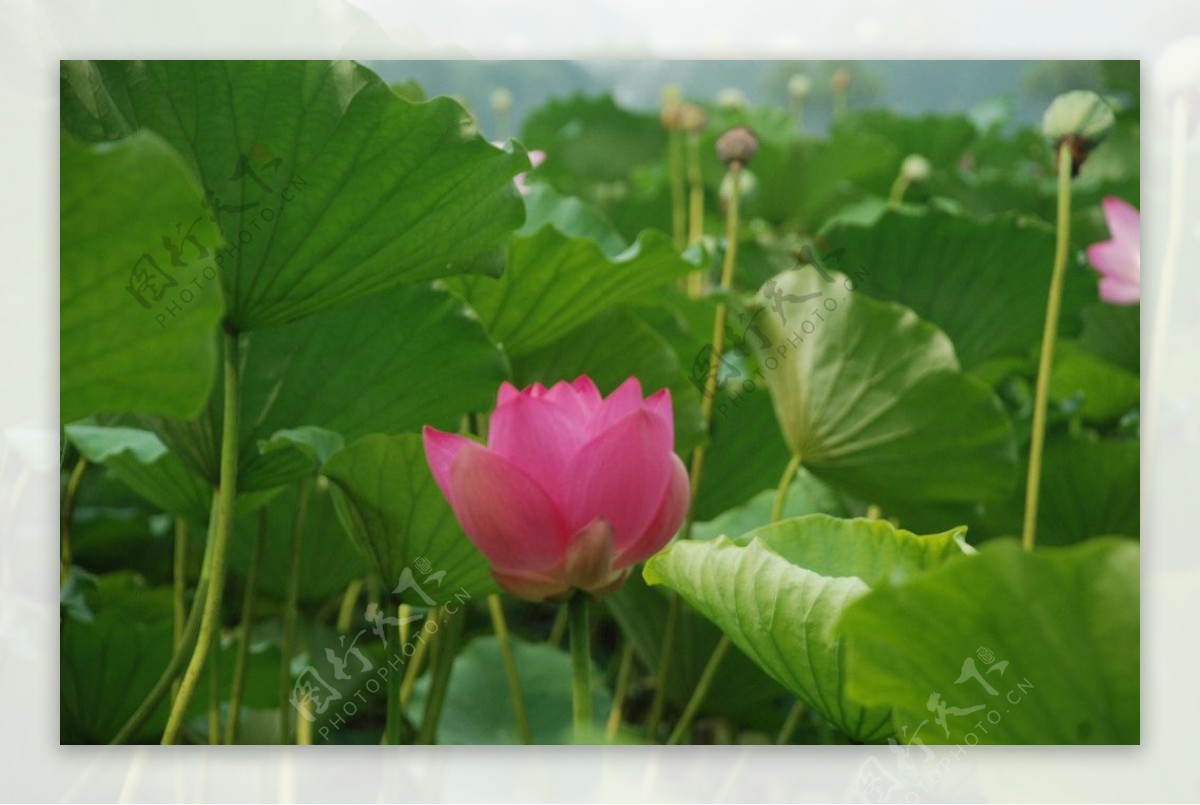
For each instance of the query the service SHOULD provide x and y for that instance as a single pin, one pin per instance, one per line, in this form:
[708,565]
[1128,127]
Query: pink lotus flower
[571,489]
[1119,260]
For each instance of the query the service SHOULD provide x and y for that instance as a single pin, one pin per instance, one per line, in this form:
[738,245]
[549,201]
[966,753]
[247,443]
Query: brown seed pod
[737,146]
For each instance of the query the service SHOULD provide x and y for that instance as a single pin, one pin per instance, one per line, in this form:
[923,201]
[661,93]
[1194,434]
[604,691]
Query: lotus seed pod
[840,80]
[501,100]
[692,118]
[799,86]
[737,146]
[670,106]
[1081,119]
[915,168]
[732,98]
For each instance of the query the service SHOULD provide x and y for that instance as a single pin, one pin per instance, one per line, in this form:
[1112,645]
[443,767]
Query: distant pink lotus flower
[535,158]
[571,489]
[1119,260]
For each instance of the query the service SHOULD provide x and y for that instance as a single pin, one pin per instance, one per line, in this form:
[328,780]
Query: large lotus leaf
[1090,488]
[982,281]
[326,184]
[555,283]
[387,363]
[871,399]
[119,350]
[778,591]
[388,502]
[1005,647]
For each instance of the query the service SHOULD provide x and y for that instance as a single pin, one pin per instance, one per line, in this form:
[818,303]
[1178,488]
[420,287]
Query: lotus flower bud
[732,98]
[1081,119]
[501,100]
[738,145]
[799,86]
[840,79]
[692,118]
[670,107]
[571,489]
[915,168]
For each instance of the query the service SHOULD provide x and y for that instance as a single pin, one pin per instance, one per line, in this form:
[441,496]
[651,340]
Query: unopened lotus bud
[671,105]
[840,80]
[737,146]
[915,168]
[732,98]
[1080,119]
[799,86]
[501,100]
[692,118]
[747,183]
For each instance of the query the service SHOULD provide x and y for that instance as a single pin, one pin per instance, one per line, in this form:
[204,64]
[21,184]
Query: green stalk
[214,690]
[243,655]
[183,648]
[443,659]
[226,505]
[678,203]
[559,628]
[291,598]
[418,657]
[581,663]
[714,662]
[346,609]
[68,517]
[622,690]
[899,188]
[701,691]
[706,408]
[790,723]
[179,587]
[785,483]
[395,717]
[510,667]
[1037,441]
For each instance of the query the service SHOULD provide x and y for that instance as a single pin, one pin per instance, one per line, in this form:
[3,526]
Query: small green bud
[799,86]
[1080,119]
[732,98]
[501,100]
[915,168]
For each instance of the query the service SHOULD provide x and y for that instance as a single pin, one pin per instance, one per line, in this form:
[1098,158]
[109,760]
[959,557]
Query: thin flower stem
[226,508]
[714,662]
[183,649]
[622,689]
[899,188]
[243,654]
[678,203]
[443,660]
[559,628]
[581,663]
[1037,441]
[291,598]
[424,637]
[785,483]
[696,280]
[701,691]
[179,588]
[214,690]
[706,408]
[496,608]
[69,497]
[395,711]
[667,651]
[790,723]
[346,610]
